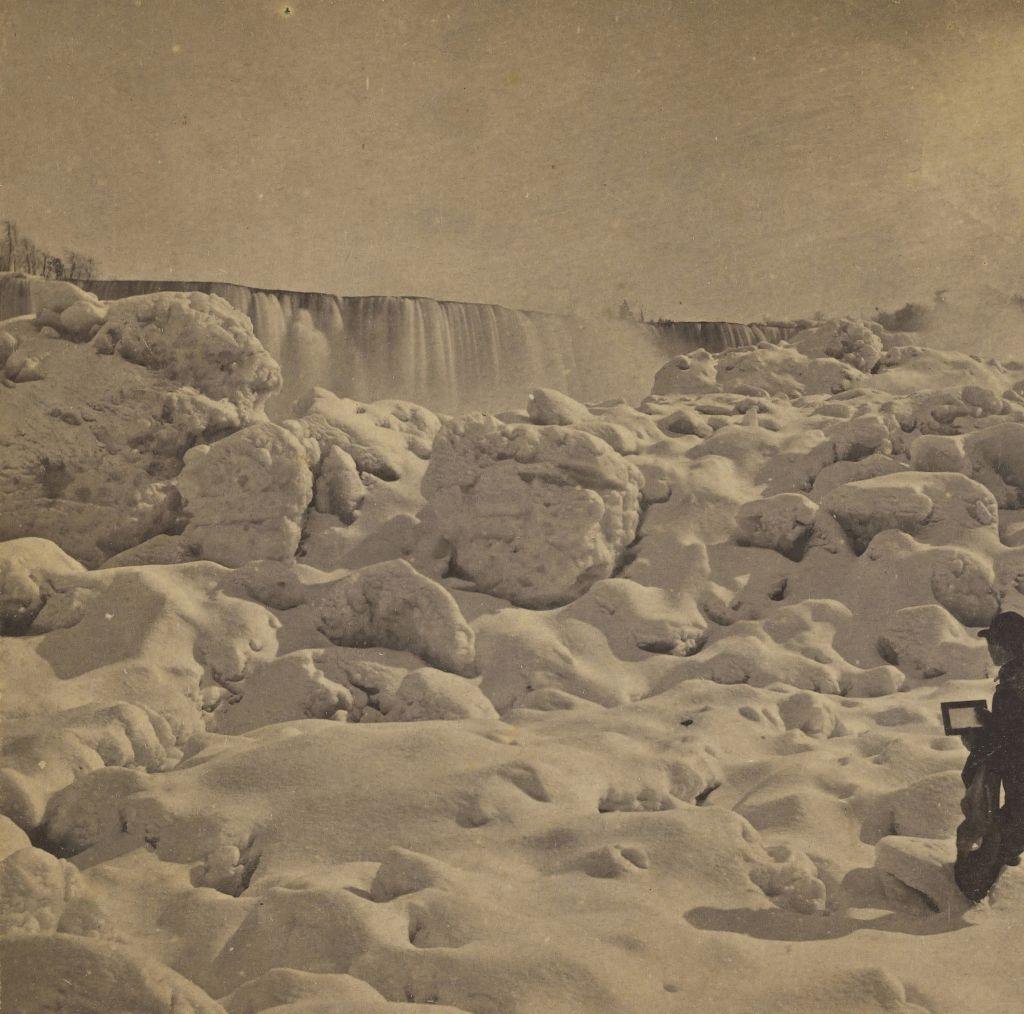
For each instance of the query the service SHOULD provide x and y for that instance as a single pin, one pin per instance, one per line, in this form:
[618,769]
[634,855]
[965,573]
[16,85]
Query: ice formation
[586,707]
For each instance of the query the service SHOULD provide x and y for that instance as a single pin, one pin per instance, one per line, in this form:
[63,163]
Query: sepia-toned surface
[324,691]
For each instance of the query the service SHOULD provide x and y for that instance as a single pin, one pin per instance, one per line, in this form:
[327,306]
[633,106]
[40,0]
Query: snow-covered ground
[606,708]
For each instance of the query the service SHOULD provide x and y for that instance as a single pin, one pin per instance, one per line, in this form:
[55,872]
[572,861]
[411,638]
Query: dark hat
[1006,627]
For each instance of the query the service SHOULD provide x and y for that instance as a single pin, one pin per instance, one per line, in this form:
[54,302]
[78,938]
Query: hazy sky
[723,159]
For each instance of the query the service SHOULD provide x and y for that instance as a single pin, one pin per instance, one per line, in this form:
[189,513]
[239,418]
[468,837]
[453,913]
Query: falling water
[449,356]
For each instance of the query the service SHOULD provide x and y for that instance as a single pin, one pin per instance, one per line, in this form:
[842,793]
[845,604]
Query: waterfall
[15,295]
[451,357]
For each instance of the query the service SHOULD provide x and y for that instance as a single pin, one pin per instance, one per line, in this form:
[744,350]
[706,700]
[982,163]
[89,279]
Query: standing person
[992,836]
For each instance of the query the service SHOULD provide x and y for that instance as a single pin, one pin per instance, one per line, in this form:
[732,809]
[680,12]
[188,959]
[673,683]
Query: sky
[722,159]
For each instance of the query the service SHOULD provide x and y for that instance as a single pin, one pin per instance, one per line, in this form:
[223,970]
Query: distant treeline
[909,317]
[19,252]
[920,316]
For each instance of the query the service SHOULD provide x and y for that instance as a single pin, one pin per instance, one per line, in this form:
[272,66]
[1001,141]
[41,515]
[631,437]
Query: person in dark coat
[1006,726]
[992,836]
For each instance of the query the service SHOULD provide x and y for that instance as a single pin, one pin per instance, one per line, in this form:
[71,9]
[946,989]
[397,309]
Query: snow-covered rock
[29,570]
[690,374]
[783,522]
[774,370]
[685,422]
[33,886]
[842,472]
[194,340]
[82,316]
[339,489]
[790,880]
[246,495]
[935,507]
[392,605]
[941,410]
[104,977]
[8,343]
[547,407]
[851,341]
[926,642]
[534,514]
[996,457]
[929,807]
[381,437]
[431,695]
[810,713]
[12,838]
[282,690]
[53,295]
[925,865]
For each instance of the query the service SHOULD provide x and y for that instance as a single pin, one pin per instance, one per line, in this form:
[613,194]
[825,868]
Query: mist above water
[979,320]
